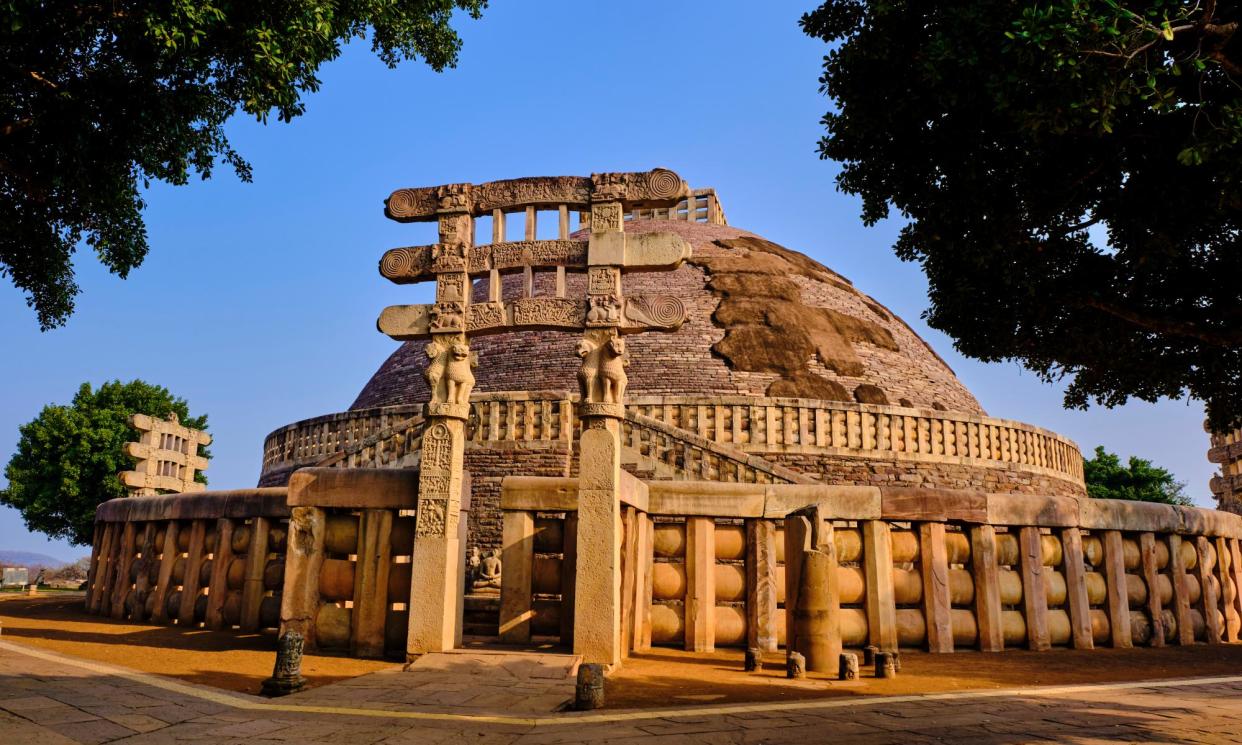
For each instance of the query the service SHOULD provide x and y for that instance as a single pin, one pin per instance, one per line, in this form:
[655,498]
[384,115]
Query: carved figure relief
[448,257]
[605,310]
[430,520]
[486,315]
[608,187]
[538,253]
[448,317]
[601,280]
[601,378]
[454,198]
[606,217]
[548,311]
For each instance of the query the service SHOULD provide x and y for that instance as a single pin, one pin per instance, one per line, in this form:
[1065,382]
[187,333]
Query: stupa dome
[763,320]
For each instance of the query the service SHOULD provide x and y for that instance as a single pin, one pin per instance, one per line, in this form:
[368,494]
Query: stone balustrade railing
[708,564]
[728,429]
[772,425]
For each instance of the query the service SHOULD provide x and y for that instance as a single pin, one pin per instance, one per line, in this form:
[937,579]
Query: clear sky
[258,301]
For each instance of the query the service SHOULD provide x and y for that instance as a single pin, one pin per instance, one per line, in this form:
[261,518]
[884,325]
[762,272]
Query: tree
[68,457]
[1139,481]
[1070,172]
[98,99]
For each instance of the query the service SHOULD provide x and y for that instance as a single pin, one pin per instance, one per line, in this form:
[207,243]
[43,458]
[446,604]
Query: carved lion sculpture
[458,376]
[435,368]
[602,377]
[452,368]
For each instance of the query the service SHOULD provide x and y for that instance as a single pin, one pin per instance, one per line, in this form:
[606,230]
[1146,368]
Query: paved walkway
[47,699]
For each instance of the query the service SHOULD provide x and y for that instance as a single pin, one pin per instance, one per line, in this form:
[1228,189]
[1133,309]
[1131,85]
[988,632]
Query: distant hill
[30,559]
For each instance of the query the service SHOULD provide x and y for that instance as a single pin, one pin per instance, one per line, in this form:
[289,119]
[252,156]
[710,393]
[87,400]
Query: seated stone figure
[489,572]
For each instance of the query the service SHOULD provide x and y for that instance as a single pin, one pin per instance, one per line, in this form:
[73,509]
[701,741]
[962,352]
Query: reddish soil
[230,660]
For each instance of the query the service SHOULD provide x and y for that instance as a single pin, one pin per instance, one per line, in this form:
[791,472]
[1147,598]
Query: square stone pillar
[435,570]
[597,591]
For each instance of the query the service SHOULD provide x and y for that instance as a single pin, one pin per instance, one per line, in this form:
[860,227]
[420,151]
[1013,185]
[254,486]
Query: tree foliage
[97,99]
[1070,175]
[1139,480]
[68,457]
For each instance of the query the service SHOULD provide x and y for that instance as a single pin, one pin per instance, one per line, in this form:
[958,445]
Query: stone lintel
[637,190]
[240,503]
[845,502]
[638,314]
[1030,509]
[375,488]
[147,423]
[937,505]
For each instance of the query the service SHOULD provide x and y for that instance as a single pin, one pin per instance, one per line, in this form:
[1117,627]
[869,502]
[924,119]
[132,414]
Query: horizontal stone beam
[142,480]
[419,263]
[142,451]
[146,423]
[637,314]
[361,488]
[640,190]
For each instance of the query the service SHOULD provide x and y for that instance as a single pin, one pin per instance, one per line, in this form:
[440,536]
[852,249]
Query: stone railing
[710,438]
[215,558]
[784,425]
[712,564]
[311,441]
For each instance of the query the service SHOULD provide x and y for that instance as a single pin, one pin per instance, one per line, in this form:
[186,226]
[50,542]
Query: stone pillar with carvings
[602,380]
[436,582]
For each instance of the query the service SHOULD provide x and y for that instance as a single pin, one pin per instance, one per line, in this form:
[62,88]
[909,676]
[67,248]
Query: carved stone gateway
[167,457]
[604,316]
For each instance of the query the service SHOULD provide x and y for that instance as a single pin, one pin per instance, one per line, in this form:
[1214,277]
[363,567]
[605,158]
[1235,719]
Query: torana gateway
[631,424]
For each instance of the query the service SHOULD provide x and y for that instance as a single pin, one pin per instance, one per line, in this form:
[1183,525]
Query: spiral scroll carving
[396,263]
[663,183]
[666,310]
[402,203]
[663,310]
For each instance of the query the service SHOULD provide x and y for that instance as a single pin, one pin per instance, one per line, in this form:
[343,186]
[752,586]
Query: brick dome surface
[762,320]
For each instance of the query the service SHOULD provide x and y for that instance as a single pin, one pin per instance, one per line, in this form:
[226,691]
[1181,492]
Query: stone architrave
[167,457]
[605,315]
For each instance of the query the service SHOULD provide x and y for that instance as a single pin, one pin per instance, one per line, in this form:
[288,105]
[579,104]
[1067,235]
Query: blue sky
[258,301]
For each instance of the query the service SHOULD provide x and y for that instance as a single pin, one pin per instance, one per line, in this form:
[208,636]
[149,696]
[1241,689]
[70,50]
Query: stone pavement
[49,699]
[461,680]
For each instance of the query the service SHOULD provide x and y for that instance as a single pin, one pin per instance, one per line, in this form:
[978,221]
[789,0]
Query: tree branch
[16,126]
[1171,327]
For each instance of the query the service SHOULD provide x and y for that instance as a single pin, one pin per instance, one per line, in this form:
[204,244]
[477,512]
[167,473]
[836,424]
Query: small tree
[1140,481]
[68,457]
